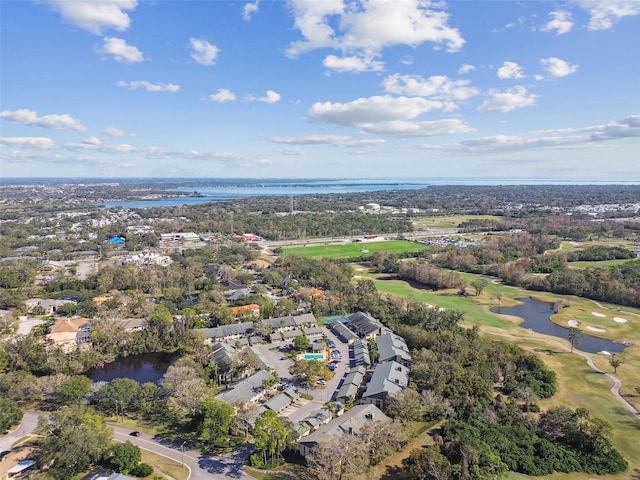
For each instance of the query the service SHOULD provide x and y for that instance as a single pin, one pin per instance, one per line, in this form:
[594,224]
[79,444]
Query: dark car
[135,433]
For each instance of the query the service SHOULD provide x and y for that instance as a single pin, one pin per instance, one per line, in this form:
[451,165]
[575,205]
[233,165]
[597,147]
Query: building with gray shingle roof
[306,320]
[393,347]
[344,333]
[312,332]
[225,333]
[351,384]
[222,355]
[248,389]
[278,403]
[387,379]
[349,423]
[317,418]
[361,353]
[365,326]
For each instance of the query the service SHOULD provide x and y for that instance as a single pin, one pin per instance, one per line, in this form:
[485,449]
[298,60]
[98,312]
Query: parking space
[321,393]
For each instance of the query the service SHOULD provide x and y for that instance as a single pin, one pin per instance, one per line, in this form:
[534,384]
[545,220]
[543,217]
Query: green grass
[602,264]
[355,250]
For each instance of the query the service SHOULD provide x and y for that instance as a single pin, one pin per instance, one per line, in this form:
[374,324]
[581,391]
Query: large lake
[224,191]
[536,316]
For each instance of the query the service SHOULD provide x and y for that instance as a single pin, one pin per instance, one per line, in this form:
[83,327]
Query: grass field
[578,384]
[449,221]
[602,264]
[355,250]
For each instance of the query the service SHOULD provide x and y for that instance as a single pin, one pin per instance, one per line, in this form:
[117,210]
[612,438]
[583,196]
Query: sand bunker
[604,352]
[619,320]
[598,314]
[595,329]
[573,323]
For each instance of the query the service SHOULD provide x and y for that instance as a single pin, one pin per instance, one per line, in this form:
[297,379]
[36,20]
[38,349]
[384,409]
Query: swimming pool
[313,356]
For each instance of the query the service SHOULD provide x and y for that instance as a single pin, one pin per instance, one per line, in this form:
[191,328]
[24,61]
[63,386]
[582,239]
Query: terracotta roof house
[252,309]
[69,334]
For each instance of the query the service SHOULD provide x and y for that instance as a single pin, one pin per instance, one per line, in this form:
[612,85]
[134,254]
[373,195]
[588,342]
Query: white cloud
[222,95]
[557,67]
[42,143]
[510,99]
[92,141]
[387,115]
[120,51]
[104,148]
[510,70]
[628,127]
[148,86]
[465,68]
[249,9]
[203,52]
[439,87]
[270,97]
[605,13]
[115,132]
[336,140]
[561,22]
[403,128]
[56,122]
[352,64]
[293,151]
[369,26]
[95,16]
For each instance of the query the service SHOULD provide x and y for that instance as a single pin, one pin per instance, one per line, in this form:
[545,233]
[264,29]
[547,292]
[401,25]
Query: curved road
[201,466]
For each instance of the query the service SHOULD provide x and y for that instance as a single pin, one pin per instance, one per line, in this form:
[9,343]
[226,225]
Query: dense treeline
[458,373]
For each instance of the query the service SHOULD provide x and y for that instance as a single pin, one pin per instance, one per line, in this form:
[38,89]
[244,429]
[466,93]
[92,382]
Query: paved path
[200,466]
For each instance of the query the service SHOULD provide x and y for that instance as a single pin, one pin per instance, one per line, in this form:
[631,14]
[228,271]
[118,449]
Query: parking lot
[321,394]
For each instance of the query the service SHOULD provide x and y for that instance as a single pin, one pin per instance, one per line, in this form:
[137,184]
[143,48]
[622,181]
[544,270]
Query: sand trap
[604,352]
[598,314]
[595,329]
[573,323]
[619,320]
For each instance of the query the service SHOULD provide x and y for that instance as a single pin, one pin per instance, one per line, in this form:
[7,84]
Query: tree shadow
[392,473]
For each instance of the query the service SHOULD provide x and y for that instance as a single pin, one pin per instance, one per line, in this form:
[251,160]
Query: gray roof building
[226,332]
[247,389]
[393,347]
[387,378]
[349,423]
[365,325]
[344,332]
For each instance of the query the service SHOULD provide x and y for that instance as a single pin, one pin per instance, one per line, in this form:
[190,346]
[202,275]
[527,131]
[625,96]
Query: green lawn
[355,250]
[601,264]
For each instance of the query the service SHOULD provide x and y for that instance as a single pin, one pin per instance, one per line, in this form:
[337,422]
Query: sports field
[355,250]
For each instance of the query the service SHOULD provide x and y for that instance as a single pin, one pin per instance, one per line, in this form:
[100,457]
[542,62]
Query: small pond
[148,367]
[536,317]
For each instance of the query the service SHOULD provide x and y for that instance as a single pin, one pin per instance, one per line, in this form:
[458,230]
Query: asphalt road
[201,467]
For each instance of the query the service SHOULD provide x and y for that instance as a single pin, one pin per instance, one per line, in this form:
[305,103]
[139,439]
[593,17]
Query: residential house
[344,332]
[392,347]
[350,385]
[69,334]
[48,305]
[365,326]
[388,378]
[250,389]
[226,333]
[222,355]
[361,353]
[251,310]
[350,423]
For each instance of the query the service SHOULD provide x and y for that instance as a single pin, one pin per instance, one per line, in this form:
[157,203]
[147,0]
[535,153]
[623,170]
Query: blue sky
[546,90]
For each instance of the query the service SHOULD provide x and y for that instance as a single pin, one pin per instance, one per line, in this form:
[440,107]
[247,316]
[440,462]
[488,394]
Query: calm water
[536,317]
[149,367]
[219,192]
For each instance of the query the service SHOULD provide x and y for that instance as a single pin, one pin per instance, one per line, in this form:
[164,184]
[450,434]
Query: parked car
[135,433]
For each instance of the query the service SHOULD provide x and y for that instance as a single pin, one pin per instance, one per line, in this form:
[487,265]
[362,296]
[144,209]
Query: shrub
[142,470]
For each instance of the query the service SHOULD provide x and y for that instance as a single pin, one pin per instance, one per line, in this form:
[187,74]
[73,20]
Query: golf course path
[617,384]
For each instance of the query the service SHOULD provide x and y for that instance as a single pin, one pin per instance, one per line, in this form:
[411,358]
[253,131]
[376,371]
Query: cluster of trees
[76,439]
